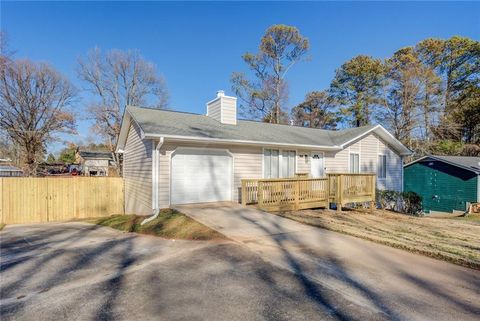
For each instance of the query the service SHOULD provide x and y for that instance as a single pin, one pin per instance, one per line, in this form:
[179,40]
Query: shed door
[201,176]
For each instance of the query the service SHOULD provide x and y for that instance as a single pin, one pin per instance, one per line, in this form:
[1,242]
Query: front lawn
[169,224]
[456,240]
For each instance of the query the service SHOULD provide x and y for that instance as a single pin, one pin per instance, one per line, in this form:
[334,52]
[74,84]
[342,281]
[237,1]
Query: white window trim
[359,160]
[280,159]
[386,167]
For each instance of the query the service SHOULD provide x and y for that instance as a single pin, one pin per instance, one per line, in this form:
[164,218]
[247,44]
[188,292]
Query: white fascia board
[125,126]
[127,120]
[239,142]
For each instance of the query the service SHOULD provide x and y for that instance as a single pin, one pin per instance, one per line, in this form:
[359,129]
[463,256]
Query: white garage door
[201,176]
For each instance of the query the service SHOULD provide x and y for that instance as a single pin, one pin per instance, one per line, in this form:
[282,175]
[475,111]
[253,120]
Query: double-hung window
[288,163]
[278,163]
[354,163]
[382,166]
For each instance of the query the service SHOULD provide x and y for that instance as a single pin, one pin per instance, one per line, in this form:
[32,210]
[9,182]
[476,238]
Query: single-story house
[10,171]
[94,163]
[446,183]
[177,158]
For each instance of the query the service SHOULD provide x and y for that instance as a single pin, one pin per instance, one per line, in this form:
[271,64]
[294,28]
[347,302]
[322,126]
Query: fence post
[244,192]
[297,195]
[328,191]
[372,203]
[338,197]
[260,193]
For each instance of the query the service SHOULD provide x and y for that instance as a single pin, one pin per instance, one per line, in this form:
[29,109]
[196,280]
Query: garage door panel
[201,176]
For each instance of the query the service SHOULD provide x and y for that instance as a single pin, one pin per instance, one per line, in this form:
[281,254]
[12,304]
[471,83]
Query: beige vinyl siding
[223,109]
[247,163]
[336,162]
[369,147]
[356,147]
[368,154]
[137,173]
[394,179]
[214,110]
[229,110]
[303,163]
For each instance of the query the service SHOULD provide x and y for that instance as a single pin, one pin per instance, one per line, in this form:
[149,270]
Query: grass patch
[169,224]
[475,218]
[2,225]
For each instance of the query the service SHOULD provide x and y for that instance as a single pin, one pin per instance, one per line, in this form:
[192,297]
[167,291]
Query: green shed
[446,183]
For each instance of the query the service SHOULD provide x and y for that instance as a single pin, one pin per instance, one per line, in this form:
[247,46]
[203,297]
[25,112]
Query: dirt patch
[456,240]
[169,224]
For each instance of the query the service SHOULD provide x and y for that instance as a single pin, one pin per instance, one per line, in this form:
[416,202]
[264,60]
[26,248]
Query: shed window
[382,166]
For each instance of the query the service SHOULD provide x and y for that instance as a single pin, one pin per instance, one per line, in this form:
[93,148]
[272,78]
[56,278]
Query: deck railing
[301,193]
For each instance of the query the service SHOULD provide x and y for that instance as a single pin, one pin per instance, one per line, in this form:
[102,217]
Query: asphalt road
[77,271]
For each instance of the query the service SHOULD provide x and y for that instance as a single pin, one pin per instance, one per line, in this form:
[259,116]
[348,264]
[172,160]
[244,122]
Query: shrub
[387,199]
[412,203]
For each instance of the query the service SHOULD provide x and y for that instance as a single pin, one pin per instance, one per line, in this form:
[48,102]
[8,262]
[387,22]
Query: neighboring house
[446,183]
[94,163]
[10,171]
[176,158]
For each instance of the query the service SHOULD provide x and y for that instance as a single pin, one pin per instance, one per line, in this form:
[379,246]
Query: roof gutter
[238,142]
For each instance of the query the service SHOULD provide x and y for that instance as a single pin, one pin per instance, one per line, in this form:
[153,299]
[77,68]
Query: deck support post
[338,196]
[244,193]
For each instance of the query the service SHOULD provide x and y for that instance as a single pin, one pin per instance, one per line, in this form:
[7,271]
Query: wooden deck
[297,193]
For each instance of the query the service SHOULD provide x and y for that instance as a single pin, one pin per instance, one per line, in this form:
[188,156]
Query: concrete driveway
[396,283]
[77,271]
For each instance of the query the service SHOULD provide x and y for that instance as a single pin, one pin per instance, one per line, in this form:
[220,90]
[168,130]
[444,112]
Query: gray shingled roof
[9,168]
[98,155]
[467,162]
[164,122]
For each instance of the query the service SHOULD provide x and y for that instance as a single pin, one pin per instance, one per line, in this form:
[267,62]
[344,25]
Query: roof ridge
[253,121]
[167,110]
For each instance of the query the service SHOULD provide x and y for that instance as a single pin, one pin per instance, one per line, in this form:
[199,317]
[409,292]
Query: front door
[317,165]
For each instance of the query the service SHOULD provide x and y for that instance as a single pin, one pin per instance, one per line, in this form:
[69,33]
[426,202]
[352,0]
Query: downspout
[156,169]
[403,173]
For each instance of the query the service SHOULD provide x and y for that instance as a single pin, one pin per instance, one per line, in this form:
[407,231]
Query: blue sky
[197,45]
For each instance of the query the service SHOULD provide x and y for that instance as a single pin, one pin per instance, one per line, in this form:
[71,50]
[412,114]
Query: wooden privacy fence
[46,199]
[302,193]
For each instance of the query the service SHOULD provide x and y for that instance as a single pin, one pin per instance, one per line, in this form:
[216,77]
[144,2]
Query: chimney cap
[220,93]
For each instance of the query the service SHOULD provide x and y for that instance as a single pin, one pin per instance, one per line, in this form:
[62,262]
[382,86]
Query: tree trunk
[31,160]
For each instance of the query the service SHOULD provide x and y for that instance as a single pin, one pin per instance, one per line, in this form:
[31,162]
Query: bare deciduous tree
[35,103]
[118,79]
